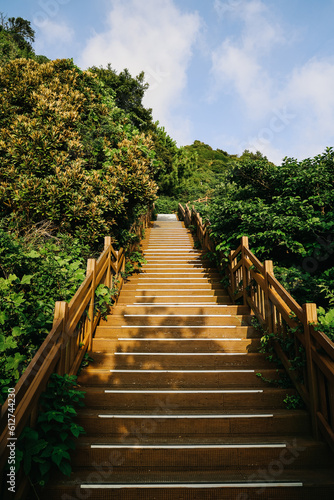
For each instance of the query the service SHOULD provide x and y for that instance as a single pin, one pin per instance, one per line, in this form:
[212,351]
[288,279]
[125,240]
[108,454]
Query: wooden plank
[284,294]
[323,341]
[326,430]
[81,292]
[325,365]
[282,307]
[254,260]
[33,367]
[258,278]
[103,256]
[101,272]
[30,398]
[237,266]
[256,311]
[290,371]
[236,252]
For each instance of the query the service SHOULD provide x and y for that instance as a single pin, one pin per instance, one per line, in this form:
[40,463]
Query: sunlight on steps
[174,406]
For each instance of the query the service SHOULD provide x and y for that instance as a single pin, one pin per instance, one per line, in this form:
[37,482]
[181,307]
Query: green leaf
[58,454]
[65,468]
[63,436]
[16,331]
[44,468]
[33,254]
[3,317]
[34,447]
[26,279]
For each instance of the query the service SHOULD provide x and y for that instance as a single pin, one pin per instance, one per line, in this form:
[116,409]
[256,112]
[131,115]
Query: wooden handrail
[281,315]
[71,336]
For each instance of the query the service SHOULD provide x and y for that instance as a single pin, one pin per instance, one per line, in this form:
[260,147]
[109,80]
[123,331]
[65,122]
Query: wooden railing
[71,336]
[306,353]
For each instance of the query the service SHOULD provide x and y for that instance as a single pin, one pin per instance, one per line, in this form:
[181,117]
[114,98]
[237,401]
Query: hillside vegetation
[81,158]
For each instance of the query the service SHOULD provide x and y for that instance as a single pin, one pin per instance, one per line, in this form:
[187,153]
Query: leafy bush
[287,213]
[32,279]
[68,154]
[326,322]
[47,447]
[166,205]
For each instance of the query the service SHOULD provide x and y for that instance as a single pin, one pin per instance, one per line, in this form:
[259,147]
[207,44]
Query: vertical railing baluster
[91,268]
[310,317]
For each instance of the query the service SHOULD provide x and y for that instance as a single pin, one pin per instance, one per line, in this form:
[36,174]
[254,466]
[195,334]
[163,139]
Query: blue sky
[235,74]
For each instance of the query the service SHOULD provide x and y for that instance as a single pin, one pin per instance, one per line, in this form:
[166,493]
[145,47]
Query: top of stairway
[166,217]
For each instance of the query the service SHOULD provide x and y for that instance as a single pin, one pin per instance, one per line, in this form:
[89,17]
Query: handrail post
[268,269]
[244,244]
[61,312]
[310,317]
[232,275]
[107,244]
[91,267]
[117,262]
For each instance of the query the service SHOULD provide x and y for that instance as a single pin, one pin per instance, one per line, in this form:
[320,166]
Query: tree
[20,29]
[129,93]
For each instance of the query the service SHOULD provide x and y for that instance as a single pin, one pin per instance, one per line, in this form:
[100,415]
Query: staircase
[174,406]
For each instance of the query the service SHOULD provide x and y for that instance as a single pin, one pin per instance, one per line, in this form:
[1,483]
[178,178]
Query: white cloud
[302,96]
[237,63]
[51,32]
[309,92]
[155,37]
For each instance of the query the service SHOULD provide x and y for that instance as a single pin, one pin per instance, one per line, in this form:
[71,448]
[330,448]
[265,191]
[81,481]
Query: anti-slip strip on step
[172,290]
[171,296]
[182,326]
[171,304]
[188,304]
[194,391]
[240,446]
[180,353]
[188,416]
[206,278]
[163,339]
[177,315]
[183,372]
[244,484]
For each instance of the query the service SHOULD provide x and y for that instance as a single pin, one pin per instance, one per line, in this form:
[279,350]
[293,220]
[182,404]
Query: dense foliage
[68,154]
[47,446]
[31,282]
[75,165]
[191,173]
[81,158]
[288,213]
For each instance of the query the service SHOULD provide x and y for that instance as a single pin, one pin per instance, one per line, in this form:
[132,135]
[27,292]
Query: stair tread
[168,355]
[307,477]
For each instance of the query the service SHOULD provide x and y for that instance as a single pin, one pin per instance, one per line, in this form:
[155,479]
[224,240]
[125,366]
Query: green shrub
[47,447]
